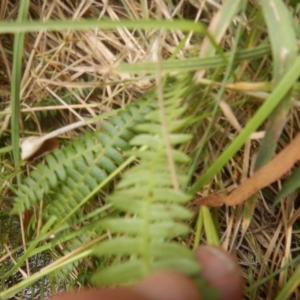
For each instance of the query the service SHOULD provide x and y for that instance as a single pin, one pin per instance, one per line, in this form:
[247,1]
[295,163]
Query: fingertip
[221,271]
[168,285]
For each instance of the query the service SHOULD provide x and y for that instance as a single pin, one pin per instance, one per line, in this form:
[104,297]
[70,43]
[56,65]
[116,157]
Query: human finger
[162,285]
[219,268]
[221,271]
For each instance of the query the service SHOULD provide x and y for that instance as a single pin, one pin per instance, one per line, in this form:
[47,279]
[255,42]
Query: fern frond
[71,175]
[154,206]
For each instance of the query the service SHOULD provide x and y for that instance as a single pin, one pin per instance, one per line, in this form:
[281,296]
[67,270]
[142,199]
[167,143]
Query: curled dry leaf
[33,147]
[272,171]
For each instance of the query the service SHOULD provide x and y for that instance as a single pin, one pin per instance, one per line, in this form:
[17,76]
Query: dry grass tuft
[71,72]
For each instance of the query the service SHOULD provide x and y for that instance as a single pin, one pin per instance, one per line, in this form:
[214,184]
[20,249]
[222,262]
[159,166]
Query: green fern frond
[72,173]
[153,203]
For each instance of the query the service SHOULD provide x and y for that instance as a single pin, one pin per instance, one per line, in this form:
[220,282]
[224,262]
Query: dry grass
[69,76]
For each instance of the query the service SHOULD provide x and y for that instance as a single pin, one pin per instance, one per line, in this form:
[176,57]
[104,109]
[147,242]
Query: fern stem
[165,133]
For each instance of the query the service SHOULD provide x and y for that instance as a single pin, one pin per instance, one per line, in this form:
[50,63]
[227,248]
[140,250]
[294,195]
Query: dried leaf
[266,175]
[210,200]
[33,147]
[269,173]
[46,147]
[30,145]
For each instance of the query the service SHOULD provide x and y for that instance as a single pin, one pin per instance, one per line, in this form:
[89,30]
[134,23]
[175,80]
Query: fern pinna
[146,212]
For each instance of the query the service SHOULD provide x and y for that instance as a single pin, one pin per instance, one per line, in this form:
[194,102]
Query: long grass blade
[16,84]
[58,25]
[284,52]
[292,284]
[263,112]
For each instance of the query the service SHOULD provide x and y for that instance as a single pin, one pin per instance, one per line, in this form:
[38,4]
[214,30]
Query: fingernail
[221,259]
[221,271]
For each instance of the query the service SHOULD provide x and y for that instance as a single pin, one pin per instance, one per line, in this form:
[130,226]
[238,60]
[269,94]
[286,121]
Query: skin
[219,268]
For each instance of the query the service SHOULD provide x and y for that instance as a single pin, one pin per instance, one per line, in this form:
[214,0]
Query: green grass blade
[211,233]
[194,63]
[209,226]
[284,51]
[59,25]
[255,285]
[264,111]
[225,15]
[292,284]
[16,84]
[6,294]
